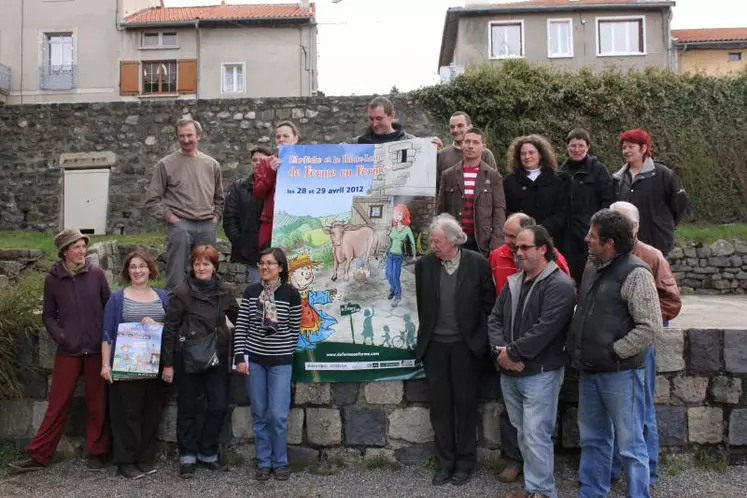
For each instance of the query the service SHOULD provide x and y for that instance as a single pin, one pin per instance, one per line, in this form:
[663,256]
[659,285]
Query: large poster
[351,219]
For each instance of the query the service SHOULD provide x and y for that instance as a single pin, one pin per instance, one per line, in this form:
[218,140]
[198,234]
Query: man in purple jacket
[75,294]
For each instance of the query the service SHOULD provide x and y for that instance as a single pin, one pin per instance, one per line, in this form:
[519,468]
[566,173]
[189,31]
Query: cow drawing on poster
[348,243]
[316,325]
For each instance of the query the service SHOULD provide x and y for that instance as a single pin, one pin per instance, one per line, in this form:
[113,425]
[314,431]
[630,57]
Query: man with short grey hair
[186,192]
[455,295]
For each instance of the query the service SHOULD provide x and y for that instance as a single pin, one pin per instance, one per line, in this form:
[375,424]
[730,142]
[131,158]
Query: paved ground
[70,479]
[712,312]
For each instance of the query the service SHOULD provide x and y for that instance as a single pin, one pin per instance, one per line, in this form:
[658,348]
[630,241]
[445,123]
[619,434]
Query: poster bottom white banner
[360,365]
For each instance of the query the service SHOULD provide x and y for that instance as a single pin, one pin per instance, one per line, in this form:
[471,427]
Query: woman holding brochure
[136,404]
[266,335]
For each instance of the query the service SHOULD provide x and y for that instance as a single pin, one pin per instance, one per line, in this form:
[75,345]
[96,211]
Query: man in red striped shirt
[472,192]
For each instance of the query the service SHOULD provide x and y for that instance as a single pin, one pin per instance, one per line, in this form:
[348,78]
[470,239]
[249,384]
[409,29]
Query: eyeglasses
[267,263]
[138,267]
[524,247]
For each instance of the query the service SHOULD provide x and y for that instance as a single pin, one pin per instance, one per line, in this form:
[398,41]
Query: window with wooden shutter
[187,76]
[129,78]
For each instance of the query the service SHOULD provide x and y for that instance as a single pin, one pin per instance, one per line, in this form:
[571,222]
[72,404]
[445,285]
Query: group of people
[496,285]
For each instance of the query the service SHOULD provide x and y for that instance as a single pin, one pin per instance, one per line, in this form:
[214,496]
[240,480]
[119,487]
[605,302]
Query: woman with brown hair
[196,341]
[135,405]
[534,187]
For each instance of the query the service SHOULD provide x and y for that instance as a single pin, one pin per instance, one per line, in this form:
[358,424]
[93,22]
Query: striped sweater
[248,339]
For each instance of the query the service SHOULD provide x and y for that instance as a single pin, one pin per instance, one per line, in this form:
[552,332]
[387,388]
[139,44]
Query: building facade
[717,51]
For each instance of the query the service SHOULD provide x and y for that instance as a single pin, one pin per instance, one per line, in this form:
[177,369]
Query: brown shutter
[187,76]
[129,78]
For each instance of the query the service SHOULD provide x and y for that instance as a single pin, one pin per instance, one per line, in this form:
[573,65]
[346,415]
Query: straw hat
[302,260]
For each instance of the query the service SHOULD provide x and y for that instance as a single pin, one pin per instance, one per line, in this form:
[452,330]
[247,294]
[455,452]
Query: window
[559,38]
[159,39]
[621,36]
[159,77]
[233,78]
[376,211]
[735,56]
[58,70]
[506,40]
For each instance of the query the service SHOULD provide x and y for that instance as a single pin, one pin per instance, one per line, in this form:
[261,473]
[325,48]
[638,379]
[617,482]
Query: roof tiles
[167,15]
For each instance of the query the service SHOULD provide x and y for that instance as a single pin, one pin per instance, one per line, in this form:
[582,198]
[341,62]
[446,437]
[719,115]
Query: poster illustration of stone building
[351,219]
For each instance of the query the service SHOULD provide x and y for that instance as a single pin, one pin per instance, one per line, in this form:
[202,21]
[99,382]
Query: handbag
[200,354]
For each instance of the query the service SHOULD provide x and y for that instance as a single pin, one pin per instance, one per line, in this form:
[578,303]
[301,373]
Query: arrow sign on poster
[348,310]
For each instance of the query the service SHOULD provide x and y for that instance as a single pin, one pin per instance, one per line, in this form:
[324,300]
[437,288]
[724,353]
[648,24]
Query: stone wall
[139,133]
[718,268]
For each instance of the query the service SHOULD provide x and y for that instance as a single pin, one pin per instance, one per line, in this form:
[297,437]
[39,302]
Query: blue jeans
[393,272]
[532,405]
[611,406]
[650,430]
[269,393]
[252,274]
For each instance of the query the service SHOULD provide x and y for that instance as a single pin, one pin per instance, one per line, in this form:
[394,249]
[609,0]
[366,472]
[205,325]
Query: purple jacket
[73,310]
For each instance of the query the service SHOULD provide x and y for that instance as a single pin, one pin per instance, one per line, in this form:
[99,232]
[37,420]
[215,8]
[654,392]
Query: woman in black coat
[534,187]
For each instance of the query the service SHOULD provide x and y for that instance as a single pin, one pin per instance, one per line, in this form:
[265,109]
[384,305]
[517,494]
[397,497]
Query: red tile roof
[166,15]
[709,35]
[558,3]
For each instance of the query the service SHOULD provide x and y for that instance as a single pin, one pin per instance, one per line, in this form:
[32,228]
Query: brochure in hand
[137,353]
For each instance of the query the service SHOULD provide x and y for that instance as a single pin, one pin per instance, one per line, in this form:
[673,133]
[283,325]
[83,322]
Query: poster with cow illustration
[352,219]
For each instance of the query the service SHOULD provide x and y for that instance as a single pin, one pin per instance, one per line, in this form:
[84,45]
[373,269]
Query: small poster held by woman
[137,352]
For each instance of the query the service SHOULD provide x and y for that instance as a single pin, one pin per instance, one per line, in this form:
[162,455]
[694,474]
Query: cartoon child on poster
[398,235]
[315,323]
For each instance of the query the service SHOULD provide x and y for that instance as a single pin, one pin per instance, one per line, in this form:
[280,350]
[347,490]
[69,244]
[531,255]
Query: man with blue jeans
[527,331]
[614,324]
[670,304]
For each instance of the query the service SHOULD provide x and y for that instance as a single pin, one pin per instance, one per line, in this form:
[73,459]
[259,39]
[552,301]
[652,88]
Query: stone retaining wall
[718,268]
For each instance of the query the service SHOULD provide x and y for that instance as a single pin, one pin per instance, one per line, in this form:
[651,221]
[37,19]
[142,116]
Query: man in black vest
[616,319]
[455,295]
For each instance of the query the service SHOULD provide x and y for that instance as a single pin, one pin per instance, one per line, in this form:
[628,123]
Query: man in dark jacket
[616,320]
[241,220]
[382,127]
[455,295]
[75,293]
[527,331]
[472,193]
[591,189]
[653,188]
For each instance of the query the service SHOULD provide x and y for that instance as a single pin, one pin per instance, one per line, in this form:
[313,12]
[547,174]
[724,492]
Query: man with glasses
[527,331]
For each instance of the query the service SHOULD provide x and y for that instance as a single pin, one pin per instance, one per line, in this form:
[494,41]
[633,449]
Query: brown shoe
[510,474]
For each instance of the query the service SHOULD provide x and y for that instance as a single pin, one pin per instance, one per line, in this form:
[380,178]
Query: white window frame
[520,22]
[642,20]
[567,55]
[160,45]
[223,76]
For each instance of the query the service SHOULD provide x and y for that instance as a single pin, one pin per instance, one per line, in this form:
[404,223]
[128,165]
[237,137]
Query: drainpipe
[670,44]
[197,68]
[23,5]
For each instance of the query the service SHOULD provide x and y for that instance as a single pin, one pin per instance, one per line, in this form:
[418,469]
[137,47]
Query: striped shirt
[134,311]
[468,213]
[248,337]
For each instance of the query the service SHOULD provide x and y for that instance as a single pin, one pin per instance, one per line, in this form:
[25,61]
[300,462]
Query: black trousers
[135,411]
[453,372]
[201,408]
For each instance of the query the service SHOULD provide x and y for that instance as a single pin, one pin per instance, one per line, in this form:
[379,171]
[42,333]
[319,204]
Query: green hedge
[698,123]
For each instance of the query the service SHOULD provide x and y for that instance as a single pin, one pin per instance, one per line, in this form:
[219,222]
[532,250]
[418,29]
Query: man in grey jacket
[527,331]
[614,323]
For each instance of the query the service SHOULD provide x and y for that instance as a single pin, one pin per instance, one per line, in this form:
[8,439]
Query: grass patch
[378,461]
[322,470]
[672,465]
[431,463]
[713,459]
[8,453]
[707,233]
[231,457]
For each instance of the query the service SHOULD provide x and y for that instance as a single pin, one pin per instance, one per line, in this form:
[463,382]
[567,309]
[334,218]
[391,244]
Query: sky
[368,46]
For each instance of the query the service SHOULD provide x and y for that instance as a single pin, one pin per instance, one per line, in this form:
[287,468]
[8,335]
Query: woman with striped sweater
[265,337]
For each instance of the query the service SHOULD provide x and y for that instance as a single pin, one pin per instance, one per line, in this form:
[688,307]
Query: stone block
[705,424]
[294,427]
[167,429]
[661,390]
[37,415]
[676,253]
[670,346]
[323,426]
[705,350]
[247,452]
[47,350]
[416,391]
[386,392]
[722,248]
[377,454]
[313,394]
[690,389]
[411,424]
[726,389]
[703,252]
[364,426]
[241,423]
[342,457]
[415,454]
[300,456]
[671,423]
[735,261]
[569,427]
[345,393]
[735,351]
[719,262]
[690,252]
[16,418]
[491,433]
[738,427]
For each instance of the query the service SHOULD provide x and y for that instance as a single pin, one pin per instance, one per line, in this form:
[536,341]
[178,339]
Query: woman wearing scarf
[196,312]
[264,340]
